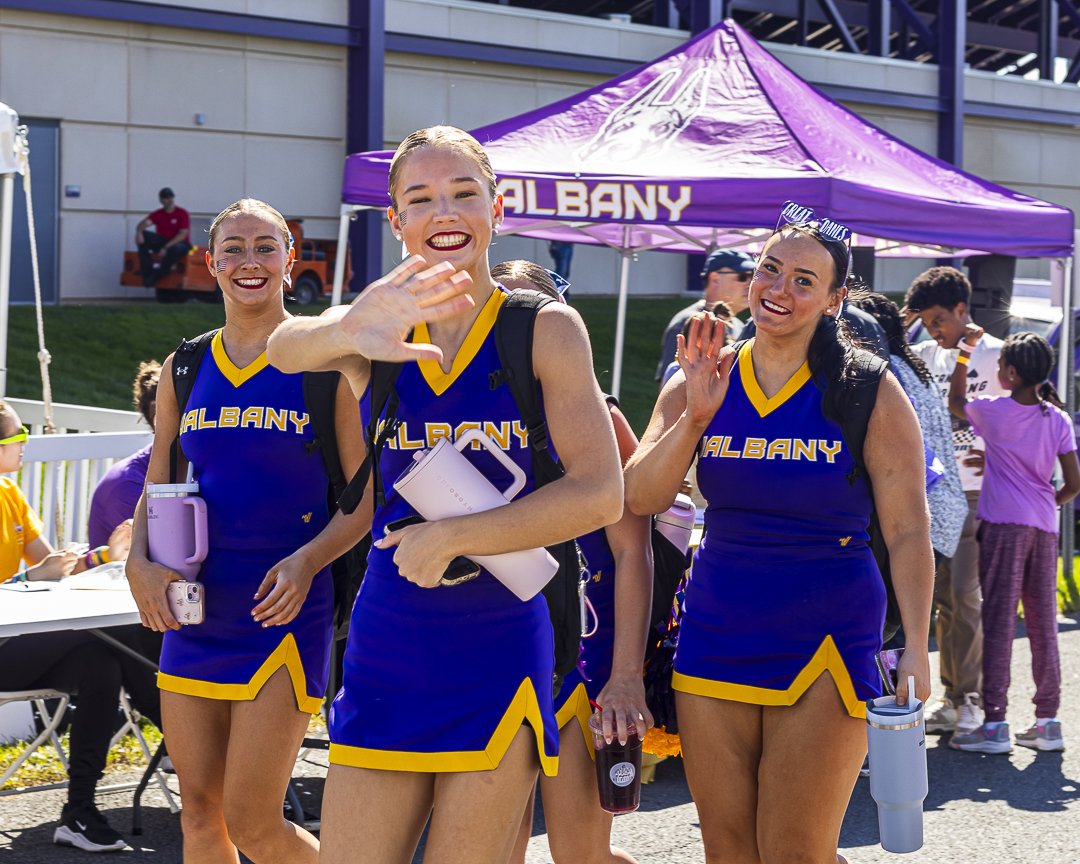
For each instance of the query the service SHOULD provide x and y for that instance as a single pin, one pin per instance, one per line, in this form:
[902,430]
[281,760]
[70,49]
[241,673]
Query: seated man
[70,661]
[170,240]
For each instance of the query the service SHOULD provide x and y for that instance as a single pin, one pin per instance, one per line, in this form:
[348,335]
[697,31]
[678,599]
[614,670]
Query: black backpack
[320,395]
[858,400]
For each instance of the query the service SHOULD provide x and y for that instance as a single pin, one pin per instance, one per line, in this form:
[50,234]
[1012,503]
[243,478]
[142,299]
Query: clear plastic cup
[618,769]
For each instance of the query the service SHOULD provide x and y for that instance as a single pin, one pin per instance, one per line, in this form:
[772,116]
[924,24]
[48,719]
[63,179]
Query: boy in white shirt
[940,296]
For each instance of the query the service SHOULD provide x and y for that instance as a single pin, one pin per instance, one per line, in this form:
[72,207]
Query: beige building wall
[127,96]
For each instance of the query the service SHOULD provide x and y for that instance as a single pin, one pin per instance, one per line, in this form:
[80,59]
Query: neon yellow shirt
[19,525]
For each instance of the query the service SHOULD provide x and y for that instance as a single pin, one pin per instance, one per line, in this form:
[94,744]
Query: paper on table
[27,586]
[107,577]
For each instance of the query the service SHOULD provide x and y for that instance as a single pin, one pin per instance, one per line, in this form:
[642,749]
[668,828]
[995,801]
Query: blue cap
[728,259]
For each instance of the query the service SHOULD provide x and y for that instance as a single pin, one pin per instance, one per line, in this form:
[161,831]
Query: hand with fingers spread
[149,582]
[380,319]
[283,591]
[706,363]
[622,704]
[422,553]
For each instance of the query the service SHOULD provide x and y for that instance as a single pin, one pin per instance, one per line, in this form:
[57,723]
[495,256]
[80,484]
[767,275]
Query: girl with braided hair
[1024,433]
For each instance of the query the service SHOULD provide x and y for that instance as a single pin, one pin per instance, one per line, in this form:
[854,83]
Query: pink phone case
[186,601]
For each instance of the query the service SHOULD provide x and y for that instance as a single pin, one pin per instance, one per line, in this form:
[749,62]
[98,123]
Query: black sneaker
[83,827]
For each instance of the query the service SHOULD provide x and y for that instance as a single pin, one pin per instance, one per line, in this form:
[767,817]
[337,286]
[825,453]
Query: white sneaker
[969,715]
[942,718]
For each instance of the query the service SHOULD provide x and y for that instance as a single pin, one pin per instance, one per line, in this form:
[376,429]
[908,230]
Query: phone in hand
[186,601]
[887,662]
[459,571]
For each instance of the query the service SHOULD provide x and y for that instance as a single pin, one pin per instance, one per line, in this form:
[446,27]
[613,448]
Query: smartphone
[459,571]
[186,601]
[887,661]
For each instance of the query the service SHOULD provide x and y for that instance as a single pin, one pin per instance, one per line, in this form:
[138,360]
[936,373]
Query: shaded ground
[981,809]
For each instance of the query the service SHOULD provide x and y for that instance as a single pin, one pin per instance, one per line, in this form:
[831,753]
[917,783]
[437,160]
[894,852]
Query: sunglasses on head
[18,438]
[829,231]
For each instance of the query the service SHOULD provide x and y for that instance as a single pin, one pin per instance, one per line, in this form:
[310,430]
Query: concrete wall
[126,96]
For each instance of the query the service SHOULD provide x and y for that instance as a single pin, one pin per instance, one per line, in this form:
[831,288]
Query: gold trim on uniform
[440,381]
[577,707]
[524,706]
[235,375]
[765,405]
[286,654]
[826,659]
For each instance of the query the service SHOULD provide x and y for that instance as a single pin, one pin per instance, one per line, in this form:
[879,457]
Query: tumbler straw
[910,690]
[190,472]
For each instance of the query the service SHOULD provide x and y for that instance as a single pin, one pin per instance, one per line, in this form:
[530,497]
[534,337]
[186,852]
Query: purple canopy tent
[699,148]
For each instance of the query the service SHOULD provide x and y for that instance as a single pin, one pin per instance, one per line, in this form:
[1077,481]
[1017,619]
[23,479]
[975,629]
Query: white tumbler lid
[171,490]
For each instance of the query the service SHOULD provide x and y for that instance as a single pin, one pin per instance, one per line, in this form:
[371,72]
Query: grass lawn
[95,348]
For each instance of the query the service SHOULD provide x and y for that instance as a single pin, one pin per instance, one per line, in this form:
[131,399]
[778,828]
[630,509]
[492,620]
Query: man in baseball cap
[725,276]
[160,249]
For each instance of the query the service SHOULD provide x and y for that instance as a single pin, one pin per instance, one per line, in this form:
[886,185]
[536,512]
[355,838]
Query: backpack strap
[383,390]
[514,341]
[320,400]
[860,397]
[186,361]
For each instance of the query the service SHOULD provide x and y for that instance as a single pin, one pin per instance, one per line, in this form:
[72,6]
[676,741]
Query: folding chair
[132,726]
[50,724]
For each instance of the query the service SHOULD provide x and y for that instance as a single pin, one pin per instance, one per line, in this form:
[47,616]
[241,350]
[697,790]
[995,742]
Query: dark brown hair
[144,388]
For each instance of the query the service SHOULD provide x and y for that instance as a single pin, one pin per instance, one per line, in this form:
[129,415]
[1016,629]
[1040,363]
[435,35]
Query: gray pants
[958,600]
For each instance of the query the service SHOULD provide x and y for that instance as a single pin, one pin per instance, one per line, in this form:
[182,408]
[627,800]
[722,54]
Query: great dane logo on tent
[648,122]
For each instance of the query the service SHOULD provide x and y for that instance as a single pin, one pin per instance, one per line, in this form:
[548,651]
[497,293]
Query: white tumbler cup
[896,739]
[442,483]
[677,522]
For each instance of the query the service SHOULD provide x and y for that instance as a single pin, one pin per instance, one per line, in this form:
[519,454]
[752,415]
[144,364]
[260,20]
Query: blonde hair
[441,136]
[256,207]
[521,270]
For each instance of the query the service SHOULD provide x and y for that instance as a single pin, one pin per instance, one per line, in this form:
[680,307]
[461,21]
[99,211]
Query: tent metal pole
[1066,375]
[7,200]
[347,211]
[620,323]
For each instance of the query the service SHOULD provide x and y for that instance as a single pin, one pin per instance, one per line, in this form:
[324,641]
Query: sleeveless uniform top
[441,679]
[784,585]
[248,436]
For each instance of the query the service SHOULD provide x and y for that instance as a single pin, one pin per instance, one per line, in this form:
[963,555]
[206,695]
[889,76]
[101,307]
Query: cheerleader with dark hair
[1025,433]
[784,612]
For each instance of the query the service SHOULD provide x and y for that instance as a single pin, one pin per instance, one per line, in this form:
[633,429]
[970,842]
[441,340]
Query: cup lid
[172,488]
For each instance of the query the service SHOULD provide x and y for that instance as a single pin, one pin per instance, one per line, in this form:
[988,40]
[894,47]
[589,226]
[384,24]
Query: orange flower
[660,743]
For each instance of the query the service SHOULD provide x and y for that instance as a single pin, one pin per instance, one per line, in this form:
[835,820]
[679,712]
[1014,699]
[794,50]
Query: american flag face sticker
[222,263]
[402,218]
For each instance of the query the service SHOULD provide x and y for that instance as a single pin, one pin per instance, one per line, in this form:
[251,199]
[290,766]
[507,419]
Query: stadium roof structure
[1002,36]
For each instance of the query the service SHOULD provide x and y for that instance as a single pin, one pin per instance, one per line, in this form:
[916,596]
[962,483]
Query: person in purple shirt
[118,492]
[1025,434]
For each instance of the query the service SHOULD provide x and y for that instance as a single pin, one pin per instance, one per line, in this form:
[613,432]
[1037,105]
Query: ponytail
[1048,393]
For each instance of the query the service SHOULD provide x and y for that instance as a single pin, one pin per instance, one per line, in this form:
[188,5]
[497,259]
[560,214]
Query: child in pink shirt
[1025,433]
